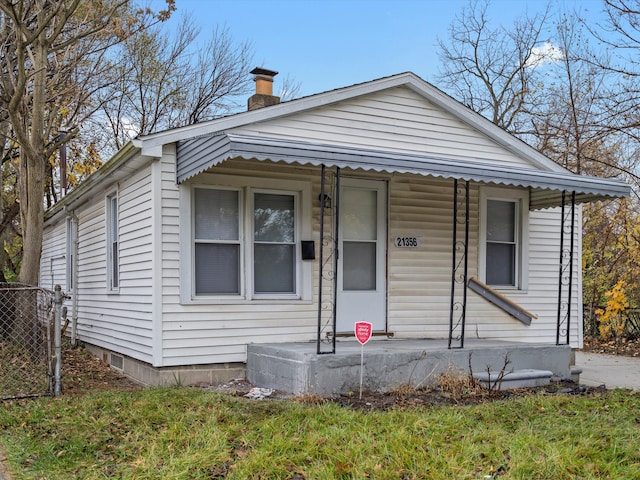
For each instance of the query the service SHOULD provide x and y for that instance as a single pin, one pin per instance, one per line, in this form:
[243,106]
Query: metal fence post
[58,299]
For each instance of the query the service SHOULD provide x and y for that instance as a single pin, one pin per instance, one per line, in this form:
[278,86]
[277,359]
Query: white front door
[362,267]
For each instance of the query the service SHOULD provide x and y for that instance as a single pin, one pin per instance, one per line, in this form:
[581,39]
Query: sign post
[363,332]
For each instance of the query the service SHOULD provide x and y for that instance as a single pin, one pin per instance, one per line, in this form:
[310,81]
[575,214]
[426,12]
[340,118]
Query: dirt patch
[627,348]
[83,373]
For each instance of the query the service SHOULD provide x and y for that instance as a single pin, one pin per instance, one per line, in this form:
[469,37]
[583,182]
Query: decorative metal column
[328,263]
[565,275]
[458,310]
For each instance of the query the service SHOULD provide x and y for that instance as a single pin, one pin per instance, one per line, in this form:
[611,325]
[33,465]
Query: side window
[503,237]
[71,240]
[502,243]
[113,274]
[274,243]
[217,252]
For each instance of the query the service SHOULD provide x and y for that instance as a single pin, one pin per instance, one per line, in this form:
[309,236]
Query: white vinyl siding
[398,120]
[120,321]
[154,316]
[53,269]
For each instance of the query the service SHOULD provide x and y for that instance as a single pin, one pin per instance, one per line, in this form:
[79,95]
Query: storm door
[362,286]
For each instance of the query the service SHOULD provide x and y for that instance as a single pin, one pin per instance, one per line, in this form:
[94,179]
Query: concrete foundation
[388,363]
[148,375]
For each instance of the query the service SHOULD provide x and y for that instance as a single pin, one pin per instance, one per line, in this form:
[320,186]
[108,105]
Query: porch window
[503,227]
[274,243]
[245,243]
[113,272]
[217,241]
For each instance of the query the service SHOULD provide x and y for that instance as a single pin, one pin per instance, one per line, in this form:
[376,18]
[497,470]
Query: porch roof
[197,155]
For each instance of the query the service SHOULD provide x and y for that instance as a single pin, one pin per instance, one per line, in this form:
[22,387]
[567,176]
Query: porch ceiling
[199,154]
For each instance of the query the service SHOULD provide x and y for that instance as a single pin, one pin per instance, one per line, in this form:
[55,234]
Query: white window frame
[251,242]
[521,200]
[240,241]
[248,186]
[70,281]
[112,237]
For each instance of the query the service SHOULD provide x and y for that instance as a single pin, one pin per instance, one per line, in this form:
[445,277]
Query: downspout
[74,269]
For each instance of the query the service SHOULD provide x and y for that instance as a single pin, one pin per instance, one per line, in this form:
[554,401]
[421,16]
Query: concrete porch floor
[389,363]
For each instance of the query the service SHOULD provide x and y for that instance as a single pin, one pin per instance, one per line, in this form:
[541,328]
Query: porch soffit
[197,155]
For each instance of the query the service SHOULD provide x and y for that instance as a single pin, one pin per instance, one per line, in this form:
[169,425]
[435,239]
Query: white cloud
[544,54]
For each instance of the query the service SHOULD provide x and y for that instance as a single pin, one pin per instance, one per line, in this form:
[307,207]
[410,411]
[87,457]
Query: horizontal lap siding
[211,333]
[119,321]
[418,278]
[53,261]
[397,120]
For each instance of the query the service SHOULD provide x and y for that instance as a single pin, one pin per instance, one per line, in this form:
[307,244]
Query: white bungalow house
[386,201]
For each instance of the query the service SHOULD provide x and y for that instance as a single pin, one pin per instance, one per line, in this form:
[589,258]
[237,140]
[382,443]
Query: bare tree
[163,81]
[492,69]
[50,52]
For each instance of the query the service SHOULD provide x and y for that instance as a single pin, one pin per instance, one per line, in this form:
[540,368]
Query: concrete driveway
[613,371]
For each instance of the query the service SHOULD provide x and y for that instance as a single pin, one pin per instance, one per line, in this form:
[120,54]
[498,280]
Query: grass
[180,433]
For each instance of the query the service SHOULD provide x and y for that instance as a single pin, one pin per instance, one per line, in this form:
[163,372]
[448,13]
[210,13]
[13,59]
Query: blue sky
[334,43]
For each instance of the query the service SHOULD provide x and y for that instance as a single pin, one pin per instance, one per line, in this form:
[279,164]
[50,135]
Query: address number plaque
[406,242]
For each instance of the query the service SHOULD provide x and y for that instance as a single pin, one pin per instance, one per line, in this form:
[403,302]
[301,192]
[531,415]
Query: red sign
[363,331]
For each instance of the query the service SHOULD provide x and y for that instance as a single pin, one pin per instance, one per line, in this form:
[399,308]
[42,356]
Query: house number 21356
[406,242]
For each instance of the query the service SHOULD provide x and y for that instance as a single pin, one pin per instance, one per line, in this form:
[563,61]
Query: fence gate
[27,342]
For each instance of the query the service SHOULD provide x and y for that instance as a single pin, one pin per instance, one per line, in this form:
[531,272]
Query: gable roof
[205,145]
[152,144]
[546,181]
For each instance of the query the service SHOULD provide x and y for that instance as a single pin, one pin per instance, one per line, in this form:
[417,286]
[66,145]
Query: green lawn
[185,433]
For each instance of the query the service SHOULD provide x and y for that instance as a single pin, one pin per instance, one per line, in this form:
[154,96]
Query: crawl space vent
[117,361]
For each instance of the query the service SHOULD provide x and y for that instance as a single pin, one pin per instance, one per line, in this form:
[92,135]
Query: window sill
[245,301]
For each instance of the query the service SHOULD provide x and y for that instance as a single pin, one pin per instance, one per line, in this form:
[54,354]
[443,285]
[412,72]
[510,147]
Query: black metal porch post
[459,262]
[565,282]
[320,256]
[336,243]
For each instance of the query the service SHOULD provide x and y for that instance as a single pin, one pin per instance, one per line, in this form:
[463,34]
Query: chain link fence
[29,350]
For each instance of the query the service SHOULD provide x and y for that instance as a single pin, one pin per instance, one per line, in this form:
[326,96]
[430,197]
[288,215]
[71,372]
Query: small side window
[503,238]
[113,275]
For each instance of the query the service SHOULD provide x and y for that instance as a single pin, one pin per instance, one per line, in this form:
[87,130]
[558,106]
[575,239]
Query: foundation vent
[116,361]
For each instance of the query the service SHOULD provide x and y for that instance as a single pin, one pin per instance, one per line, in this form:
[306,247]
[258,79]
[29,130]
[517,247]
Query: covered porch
[389,363]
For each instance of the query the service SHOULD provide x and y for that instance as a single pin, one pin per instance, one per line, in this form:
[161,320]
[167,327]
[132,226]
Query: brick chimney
[264,89]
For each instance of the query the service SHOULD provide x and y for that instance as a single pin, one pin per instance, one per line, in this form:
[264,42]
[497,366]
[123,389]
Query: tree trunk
[32,215]
[32,171]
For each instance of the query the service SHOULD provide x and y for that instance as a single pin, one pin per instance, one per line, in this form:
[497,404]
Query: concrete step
[514,379]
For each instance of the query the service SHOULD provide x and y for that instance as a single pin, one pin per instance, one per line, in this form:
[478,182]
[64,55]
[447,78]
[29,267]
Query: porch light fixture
[327,200]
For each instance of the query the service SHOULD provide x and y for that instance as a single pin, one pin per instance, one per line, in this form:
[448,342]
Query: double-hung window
[245,243]
[217,232]
[502,239]
[274,243]
[70,247]
[113,271]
